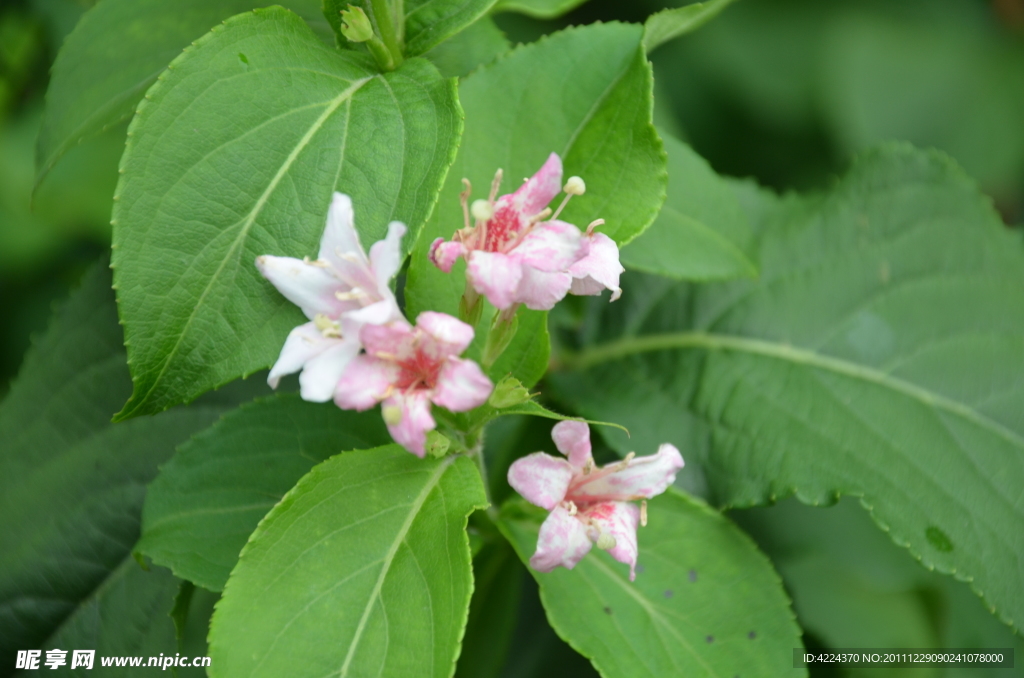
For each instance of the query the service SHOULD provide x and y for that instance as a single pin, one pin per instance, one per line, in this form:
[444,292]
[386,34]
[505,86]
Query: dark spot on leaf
[710,639]
[668,593]
[939,540]
[607,610]
[751,635]
[244,59]
[693,575]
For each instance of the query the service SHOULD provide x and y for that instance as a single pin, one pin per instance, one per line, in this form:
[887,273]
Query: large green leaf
[72,484]
[235,153]
[705,602]
[701,233]
[428,23]
[129,616]
[876,356]
[518,110]
[480,44]
[210,496]
[117,51]
[669,24]
[539,9]
[362,569]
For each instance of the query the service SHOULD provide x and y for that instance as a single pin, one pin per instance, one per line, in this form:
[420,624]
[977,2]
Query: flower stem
[385,25]
[503,329]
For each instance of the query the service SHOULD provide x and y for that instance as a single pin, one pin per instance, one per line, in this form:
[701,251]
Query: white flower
[339,292]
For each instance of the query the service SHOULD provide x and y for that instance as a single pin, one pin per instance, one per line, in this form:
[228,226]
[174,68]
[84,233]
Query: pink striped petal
[540,189]
[541,479]
[450,335]
[461,385]
[496,276]
[394,340]
[562,541]
[540,291]
[640,478]
[413,422]
[599,270]
[364,383]
[572,438]
[386,256]
[552,246]
[445,254]
[620,520]
[308,285]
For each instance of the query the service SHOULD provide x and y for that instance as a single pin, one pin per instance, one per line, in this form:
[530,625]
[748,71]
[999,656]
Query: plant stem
[386,29]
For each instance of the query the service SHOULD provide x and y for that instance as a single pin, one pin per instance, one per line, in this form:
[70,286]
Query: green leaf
[114,54]
[669,24]
[129,615]
[210,496]
[428,23]
[705,600]
[518,110]
[702,232]
[72,484]
[194,210]
[480,44]
[362,569]
[872,358]
[539,9]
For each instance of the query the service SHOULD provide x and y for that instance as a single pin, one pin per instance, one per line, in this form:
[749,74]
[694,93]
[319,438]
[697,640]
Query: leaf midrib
[800,356]
[247,223]
[414,511]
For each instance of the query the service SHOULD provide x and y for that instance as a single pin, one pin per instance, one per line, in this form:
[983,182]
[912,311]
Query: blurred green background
[785,91]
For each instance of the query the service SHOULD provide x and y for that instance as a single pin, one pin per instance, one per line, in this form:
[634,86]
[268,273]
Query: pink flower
[515,254]
[410,367]
[339,292]
[590,505]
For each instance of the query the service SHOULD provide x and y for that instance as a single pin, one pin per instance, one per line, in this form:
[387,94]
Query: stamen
[353,295]
[594,224]
[625,462]
[565,201]
[320,263]
[643,513]
[575,186]
[482,210]
[539,216]
[328,328]
[464,201]
[588,467]
[571,508]
[386,356]
[495,185]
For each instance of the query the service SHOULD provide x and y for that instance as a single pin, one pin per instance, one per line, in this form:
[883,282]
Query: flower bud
[575,186]
[507,393]
[356,26]
[437,444]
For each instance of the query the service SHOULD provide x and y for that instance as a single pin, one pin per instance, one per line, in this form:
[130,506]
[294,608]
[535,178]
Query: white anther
[594,224]
[571,508]
[354,294]
[392,415]
[482,210]
[328,328]
[588,467]
[625,462]
[575,186]
[643,513]
[605,542]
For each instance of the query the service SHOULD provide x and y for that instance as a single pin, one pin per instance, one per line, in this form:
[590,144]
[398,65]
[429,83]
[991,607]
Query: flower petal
[413,422]
[496,276]
[321,374]
[386,256]
[395,340]
[445,254]
[461,385]
[619,519]
[308,285]
[552,246]
[639,478]
[365,383]
[340,235]
[541,479]
[562,541]
[304,343]
[540,291]
[572,438]
[599,270]
[450,335]
[540,189]
[378,313]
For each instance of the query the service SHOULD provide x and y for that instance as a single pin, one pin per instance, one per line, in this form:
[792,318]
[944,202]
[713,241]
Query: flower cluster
[358,348]
[518,252]
[590,505]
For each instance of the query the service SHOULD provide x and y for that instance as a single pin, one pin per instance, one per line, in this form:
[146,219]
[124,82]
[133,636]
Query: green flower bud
[507,393]
[356,26]
[437,445]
